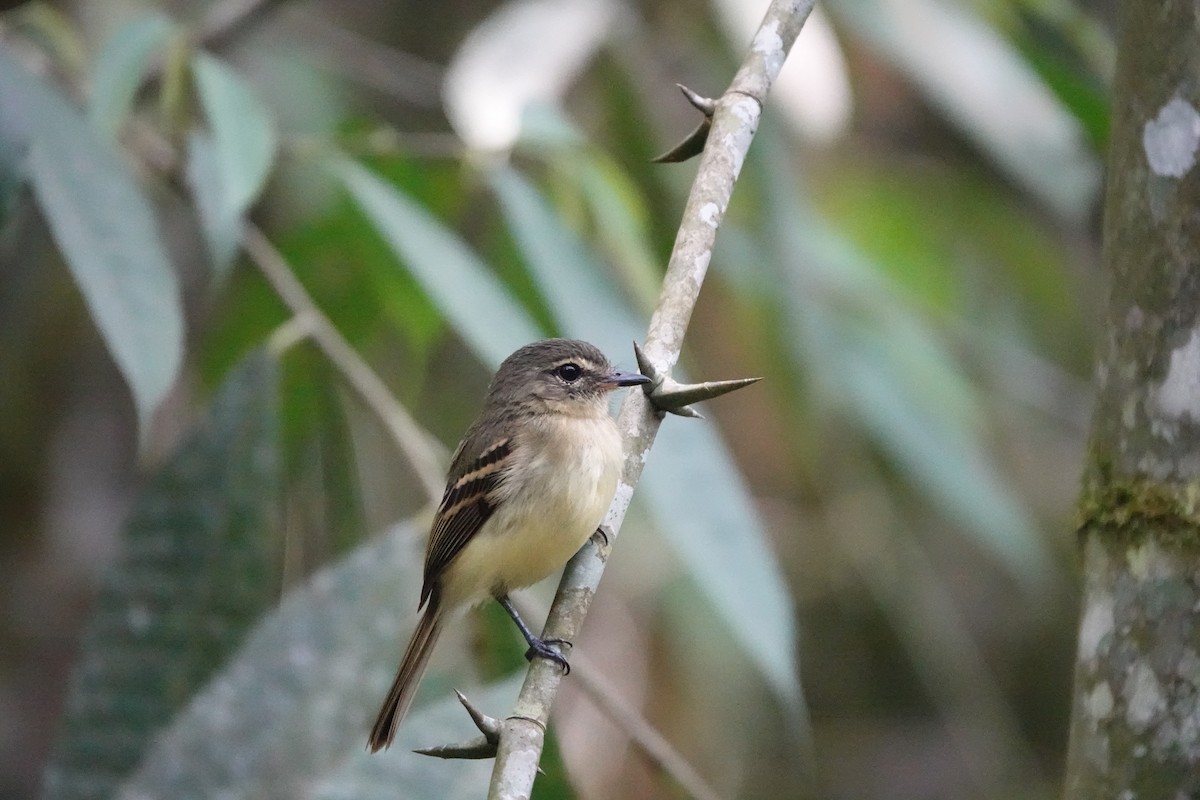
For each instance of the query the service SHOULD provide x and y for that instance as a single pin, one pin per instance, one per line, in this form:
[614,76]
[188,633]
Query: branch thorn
[480,747]
[693,145]
[672,397]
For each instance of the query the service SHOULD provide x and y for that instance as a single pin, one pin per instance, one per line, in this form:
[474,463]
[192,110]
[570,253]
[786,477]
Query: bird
[528,484]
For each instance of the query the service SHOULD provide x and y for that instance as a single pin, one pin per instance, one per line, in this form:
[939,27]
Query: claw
[545,649]
[600,537]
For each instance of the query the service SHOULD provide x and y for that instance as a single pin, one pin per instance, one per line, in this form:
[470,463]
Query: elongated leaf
[197,569]
[700,501]
[120,67]
[586,303]
[228,176]
[695,490]
[220,221]
[883,364]
[289,715]
[947,462]
[619,216]
[105,229]
[475,302]
[523,53]
[243,132]
[984,86]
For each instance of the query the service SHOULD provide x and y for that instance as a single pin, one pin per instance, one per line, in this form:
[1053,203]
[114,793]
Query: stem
[423,454]
[644,736]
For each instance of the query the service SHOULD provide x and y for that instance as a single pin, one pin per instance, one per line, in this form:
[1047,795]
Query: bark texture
[1135,730]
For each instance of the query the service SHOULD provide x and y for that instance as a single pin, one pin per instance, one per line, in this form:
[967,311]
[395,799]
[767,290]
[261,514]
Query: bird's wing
[467,504]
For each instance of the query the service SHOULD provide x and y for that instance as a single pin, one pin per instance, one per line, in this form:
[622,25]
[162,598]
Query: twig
[226,18]
[423,453]
[404,76]
[652,744]
[733,127]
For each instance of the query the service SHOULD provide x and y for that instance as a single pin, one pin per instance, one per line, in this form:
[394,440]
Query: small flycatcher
[528,485]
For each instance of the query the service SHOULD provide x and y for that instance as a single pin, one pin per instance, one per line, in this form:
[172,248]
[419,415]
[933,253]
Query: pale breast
[563,480]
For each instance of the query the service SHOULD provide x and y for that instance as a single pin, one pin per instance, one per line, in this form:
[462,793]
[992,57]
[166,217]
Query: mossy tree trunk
[1135,730]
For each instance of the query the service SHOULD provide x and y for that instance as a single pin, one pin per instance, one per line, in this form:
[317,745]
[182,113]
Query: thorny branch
[733,126]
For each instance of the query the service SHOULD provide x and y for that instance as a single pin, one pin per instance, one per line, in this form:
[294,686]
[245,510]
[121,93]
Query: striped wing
[467,504]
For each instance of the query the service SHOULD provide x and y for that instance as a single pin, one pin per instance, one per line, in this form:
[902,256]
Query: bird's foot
[600,537]
[548,649]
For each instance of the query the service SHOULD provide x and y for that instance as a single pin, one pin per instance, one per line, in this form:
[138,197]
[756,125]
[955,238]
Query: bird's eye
[568,372]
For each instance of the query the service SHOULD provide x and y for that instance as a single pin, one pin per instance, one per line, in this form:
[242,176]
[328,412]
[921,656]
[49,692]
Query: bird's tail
[408,677]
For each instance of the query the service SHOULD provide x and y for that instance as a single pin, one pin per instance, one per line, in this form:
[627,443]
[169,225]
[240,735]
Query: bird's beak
[619,377]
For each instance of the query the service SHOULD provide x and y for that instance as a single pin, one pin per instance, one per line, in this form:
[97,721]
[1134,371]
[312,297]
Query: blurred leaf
[104,228]
[324,469]
[1084,94]
[586,303]
[472,299]
[197,570]
[120,67]
[246,314]
[984,87]
[619,217]
[524,52]
[53,30]
[289,715]
[621,223]
[12,178]
[353,270]
[702,504]
[962,247]
[948,462]
[876,357]
[907,224]
[228,176]
[242,129]
[220,222]
[695,490]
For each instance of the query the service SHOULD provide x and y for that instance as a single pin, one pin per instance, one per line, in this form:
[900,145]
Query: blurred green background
[211,545]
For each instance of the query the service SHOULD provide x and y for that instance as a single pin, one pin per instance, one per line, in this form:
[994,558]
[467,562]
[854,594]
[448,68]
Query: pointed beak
[619,377]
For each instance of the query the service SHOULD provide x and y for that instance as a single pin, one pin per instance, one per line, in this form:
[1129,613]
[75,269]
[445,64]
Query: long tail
[408,677]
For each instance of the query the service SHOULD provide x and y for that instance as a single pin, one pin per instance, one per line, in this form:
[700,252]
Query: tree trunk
[1135,730]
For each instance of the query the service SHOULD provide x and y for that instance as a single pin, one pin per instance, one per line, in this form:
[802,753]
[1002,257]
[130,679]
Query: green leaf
[120,67]
[701,503]
[198,567]
[587,304]
[228,176]
[695,490]
[876,357]
[372,294]
[947,462]
[220,221]
[105,229]
[289,714]
[619,216]
[478,306]
[982,85]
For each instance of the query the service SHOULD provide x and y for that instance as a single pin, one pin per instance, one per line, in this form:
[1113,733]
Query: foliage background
[910,260]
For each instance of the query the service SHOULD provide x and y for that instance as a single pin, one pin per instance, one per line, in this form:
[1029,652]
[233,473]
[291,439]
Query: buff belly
[543,520]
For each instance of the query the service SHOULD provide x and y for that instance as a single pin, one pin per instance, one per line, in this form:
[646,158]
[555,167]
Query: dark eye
[568,372]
